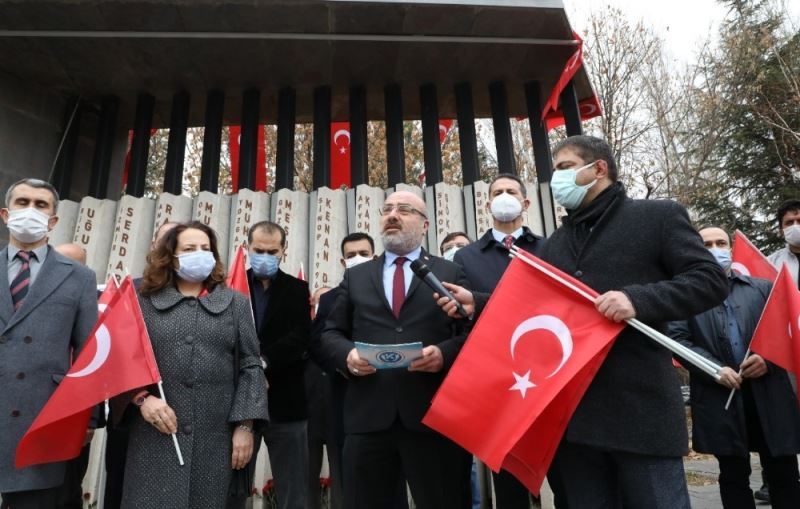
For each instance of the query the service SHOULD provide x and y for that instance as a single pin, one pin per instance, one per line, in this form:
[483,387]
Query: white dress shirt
[389,268]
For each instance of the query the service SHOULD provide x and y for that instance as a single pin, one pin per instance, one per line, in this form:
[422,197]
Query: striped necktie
[508,241]
[19,287]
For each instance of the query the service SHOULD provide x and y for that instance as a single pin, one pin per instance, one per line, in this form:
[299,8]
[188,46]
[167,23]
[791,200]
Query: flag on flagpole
[748,260]
[301,273]
[117,358]
[777,335]
[522,372]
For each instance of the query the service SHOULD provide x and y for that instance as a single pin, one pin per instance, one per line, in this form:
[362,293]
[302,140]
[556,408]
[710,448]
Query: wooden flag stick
[733,391]
[688,354]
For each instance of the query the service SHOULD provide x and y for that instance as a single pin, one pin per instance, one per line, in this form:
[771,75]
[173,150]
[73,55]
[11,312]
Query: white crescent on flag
[341,132]
[103,349]
[541,322]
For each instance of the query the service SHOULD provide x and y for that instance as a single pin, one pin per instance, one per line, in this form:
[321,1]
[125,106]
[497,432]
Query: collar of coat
[593,211]
[215,302]
[487,240]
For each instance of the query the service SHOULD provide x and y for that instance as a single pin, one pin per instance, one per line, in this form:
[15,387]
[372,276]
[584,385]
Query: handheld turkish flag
[237,274]
[522,372]
[777,335]
[117,358]
[748,260]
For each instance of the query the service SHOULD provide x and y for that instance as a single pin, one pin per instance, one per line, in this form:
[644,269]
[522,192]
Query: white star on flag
[522,384]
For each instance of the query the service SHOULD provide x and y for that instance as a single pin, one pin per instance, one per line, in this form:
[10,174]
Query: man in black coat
[381,302]
[283,320]
[626,439]
[764,415]
[484,263]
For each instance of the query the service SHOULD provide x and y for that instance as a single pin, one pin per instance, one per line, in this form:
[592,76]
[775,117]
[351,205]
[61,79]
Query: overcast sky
[685,24]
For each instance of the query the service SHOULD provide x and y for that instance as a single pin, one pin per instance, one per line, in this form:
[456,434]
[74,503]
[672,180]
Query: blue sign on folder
[389,356]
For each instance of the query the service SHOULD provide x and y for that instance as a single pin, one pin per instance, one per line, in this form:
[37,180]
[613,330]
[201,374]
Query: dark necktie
[508,241]
[19,287]
[398,286]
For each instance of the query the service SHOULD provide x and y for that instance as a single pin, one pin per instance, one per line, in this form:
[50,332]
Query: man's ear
[51,223]
[341,260]
[601,168]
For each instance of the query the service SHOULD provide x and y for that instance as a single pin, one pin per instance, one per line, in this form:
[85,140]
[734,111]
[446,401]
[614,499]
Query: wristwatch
[138,400]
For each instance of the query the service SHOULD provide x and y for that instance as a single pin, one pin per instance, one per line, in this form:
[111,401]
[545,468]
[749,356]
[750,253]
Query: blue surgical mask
[566,190]
[195,267]
[723,257]
[264,265]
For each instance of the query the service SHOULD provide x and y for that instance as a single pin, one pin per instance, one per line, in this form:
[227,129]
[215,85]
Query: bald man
[381,302]
[73,251]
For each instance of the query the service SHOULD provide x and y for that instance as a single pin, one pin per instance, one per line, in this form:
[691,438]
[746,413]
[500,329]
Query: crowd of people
[283,368]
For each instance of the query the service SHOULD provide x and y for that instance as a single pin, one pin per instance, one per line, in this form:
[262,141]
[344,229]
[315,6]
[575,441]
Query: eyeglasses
[404,209]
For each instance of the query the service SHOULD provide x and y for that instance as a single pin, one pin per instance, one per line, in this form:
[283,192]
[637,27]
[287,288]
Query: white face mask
[505,208]
[27,225]
[356,260]
[792,234]
[195,266]
[450,253]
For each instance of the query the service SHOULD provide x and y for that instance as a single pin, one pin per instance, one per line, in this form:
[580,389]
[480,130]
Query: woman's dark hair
[160,273]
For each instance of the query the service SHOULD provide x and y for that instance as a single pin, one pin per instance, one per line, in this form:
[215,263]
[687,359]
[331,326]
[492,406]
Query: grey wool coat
[194,345]
[649,250]
[56,318]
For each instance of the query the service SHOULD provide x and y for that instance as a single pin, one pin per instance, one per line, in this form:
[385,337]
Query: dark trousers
[71,492]
[780,472]
[374,462]
[509,493]
[116,453]
[599,479]
[33,499]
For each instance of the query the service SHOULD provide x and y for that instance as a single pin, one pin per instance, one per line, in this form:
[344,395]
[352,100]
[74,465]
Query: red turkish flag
[588,108]
[748,260]
[522,372]
[777,335]
[117,358]
[340,154]
[234,139]
[237,274]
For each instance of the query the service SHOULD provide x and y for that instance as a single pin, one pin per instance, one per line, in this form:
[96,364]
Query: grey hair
[35,183]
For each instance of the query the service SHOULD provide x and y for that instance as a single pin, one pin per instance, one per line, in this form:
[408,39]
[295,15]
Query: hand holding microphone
[424,273]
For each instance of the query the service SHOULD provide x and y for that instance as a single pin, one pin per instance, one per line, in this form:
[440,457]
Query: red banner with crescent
[234,140]
[340,155]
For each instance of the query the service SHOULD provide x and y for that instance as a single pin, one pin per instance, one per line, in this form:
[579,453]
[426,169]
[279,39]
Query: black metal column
[284,159]
[322,137]
[248,143]
[176,146]
[571,109]
[61,177]
[506,162]
[103,147]
[212,141]
[358,136]
[140,146]
[430,134]
[541,154]
[466,133]
[395,145]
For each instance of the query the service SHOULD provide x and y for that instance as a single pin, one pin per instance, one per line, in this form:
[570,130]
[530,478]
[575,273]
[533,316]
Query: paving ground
[702,473]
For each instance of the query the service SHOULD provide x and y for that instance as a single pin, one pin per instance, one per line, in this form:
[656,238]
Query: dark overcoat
[723,432]
[194,341]
[36,345]
[649,250]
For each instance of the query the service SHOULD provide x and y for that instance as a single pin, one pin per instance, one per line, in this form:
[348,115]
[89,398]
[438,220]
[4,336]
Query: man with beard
[381,302]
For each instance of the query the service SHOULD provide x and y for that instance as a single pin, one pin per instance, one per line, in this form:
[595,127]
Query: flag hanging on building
[522,372]
[340,155]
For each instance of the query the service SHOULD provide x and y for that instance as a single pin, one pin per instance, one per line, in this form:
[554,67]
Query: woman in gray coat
[197,326]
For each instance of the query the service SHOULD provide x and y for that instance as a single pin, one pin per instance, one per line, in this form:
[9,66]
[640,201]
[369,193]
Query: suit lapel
[415,281]
[6,304]
[52,273]
[376,275]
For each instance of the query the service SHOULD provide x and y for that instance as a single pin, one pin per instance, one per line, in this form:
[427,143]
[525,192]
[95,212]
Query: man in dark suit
[283,321]
[48,307]
[381,302]
[763,416]
[624,443]
[484,263]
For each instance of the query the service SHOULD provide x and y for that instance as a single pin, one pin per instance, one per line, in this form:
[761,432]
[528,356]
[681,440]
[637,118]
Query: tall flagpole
[700,362]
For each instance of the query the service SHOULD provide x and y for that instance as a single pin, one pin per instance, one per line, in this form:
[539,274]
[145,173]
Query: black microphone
[424,273]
